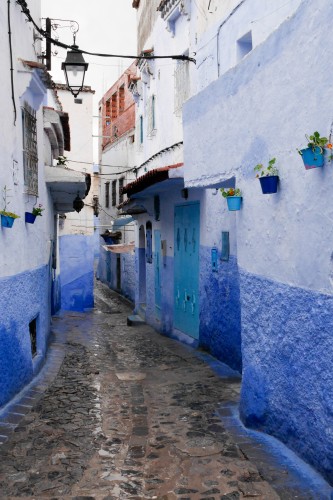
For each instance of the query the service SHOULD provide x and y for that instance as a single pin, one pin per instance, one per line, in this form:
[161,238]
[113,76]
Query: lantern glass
[74,68]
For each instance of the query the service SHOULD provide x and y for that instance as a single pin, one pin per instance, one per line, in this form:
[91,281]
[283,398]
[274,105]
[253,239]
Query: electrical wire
[44,34]
[11,61]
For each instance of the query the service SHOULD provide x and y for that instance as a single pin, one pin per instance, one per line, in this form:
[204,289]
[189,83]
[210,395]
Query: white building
[34,131]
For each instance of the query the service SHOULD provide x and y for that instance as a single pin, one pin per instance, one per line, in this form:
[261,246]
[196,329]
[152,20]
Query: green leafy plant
[266,172]
[62,160]
[316,141]
[5,212]
[38,210]
[230,192]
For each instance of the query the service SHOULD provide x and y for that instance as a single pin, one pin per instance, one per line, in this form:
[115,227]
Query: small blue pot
[313,159]
[269,184]
[7,221]
[234,202]
[30,218]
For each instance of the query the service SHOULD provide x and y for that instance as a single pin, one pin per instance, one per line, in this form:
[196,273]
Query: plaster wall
[261,109]
[218,32]
[80,157]
[168,124]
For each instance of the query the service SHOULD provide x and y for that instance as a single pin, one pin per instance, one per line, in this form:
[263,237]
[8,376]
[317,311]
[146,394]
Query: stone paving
[122,412]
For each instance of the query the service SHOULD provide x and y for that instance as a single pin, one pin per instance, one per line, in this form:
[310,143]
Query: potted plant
[313,155]
[30,217]
[234,198]
[7,218]
[268,177]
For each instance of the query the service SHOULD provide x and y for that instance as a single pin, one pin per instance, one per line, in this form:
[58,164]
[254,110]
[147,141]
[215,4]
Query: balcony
[64,185]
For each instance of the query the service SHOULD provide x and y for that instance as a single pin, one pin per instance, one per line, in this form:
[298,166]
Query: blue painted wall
[107,272]
[220,314]
[77,272]
[287,378]
[22,298]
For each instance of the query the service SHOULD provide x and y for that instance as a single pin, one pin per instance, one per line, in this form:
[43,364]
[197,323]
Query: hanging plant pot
[234,203]
[312,158]
[269,184]
[30,218]
[7,221]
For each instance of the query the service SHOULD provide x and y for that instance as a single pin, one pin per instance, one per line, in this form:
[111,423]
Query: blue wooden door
[186,268]
[157,267]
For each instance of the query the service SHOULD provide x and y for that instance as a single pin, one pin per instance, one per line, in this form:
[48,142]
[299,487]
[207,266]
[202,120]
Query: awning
[120,248]
[122,221]
[152,177]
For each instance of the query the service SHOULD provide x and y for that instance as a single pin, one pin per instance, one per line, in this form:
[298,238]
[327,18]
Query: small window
[149,243]
[141,129]
[107,194]
[78,101]
[33,336]
[114,193]
[121,185]
[157,207]
[244,46]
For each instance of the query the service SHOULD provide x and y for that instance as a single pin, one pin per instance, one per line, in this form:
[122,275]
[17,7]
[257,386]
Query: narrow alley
[123,412]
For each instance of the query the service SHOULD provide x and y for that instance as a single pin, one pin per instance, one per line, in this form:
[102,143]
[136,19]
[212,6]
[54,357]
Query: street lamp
[78,204]
[75,69]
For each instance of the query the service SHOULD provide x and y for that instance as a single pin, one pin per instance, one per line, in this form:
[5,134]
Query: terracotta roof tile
[148,179]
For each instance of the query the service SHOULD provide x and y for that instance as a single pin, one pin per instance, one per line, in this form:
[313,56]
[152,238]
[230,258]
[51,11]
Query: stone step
[135,320]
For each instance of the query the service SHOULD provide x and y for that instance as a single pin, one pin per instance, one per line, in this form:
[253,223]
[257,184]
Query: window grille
[30,154]
[114,193]
[107,194]
[182,85]
[121,184]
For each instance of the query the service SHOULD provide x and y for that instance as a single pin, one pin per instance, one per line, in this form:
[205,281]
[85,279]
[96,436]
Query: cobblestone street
[123,412]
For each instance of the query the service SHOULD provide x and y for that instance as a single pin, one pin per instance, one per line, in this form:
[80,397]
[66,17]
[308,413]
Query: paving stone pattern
[124,412]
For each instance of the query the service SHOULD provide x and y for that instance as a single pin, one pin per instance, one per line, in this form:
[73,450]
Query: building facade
[253,106]
[34,133]
[243,285]
[117,156]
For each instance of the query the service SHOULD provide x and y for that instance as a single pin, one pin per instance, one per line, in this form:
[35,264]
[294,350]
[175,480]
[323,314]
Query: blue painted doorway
[186,268]
[157,268]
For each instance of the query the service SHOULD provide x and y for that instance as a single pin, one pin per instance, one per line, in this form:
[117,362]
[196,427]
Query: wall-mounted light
[78,204]
[75,69]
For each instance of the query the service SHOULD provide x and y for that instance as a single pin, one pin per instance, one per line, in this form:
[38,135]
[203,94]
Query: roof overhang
[147,183]
[64,186]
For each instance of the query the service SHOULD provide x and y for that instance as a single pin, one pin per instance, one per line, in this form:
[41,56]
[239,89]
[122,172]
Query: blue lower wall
[287,390]
[77,272]
[22,298]
[220,313]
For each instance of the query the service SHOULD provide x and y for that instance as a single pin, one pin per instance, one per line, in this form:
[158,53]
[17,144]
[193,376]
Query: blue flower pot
[7,221]
[269,184]
[30,218]
[313,159]
[234,202]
